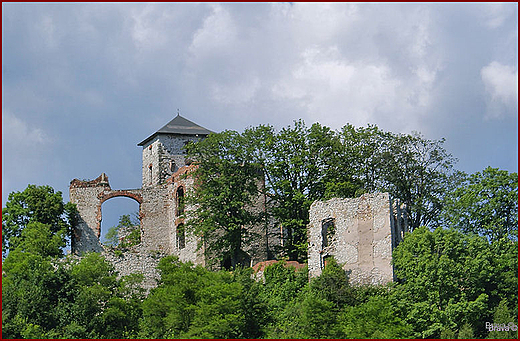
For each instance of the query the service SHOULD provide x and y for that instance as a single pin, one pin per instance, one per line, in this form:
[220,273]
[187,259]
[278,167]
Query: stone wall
[357,233]
[137,261]
[158,213]
[84,194]
[88,197]
[163,156]
[184,244]
[155,224]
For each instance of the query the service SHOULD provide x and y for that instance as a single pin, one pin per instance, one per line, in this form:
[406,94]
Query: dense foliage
[486,203]
[47,295]
[36,205]
[456,270]
[297,165]
[226,187]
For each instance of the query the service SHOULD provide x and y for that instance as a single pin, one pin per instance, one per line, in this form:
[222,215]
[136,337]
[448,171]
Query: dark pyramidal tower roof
[179,126]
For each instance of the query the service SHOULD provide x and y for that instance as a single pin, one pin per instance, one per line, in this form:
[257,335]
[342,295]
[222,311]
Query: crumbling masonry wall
[159,220]
[162,157]
[183,244]
[88,197]
[154,206]
[357,233]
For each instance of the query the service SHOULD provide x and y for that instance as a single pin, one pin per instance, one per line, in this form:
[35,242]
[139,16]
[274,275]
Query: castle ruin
[360,233]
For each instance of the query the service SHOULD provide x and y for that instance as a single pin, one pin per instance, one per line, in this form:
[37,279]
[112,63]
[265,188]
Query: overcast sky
[83,83]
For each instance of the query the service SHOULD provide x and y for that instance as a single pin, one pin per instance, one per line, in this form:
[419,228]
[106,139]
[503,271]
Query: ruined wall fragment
[357,233]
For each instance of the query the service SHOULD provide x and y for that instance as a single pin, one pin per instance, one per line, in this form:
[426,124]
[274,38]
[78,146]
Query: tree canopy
[486,203]
[297,165]
[36,205]
[47,295]
[456,269]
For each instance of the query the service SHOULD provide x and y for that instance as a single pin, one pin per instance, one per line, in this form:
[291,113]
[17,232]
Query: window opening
[181,237]
[180,201]
[328,229]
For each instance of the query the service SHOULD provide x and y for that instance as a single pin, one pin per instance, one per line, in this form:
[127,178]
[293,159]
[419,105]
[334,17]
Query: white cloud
[495,14]
[501,83]
[217,34]
[335,90]
[48,31]
[149,28]
[17,133]
[237,93]
[334,63]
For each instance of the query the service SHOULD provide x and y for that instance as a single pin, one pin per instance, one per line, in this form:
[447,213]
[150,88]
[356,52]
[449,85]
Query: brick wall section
[361,240]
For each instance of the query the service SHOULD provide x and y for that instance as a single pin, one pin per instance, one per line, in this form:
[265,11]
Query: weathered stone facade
[358,233]
[166,180]
[162,157]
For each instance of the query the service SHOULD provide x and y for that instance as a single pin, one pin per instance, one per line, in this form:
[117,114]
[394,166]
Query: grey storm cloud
[83,83]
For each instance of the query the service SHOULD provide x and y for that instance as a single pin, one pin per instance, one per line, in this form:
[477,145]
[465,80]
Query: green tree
[192,302]
[46,295]
[333,286]
[29,282]
[503,320]
[303,167]
[36,204]
[281,285]
[97,304]
[465,332]
[415,170]
[374,319]
[418,172]
[486,203]
[168,311]
[83,299]
[300,164]
[295,309]
[307,316]
[132,237]
[363,151]
[252,303]
[447,279]
[225,192]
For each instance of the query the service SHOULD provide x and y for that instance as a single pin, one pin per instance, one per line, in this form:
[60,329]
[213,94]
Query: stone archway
[104,196]
[88,197]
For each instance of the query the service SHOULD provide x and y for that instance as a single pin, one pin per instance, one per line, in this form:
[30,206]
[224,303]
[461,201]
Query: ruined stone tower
[161,200]
[163,151]
[360,233]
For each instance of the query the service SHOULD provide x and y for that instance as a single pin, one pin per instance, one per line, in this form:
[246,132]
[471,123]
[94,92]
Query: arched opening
[328,229]
[112,210]
[179,198]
